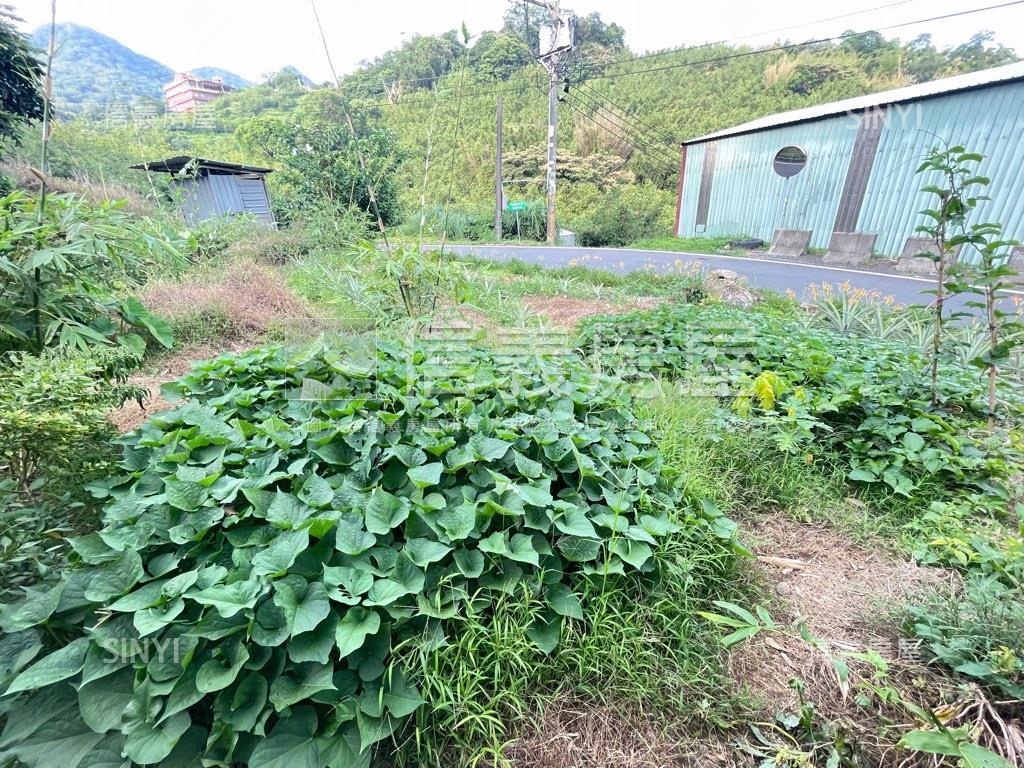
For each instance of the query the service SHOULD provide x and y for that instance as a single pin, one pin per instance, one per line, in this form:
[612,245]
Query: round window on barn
[789,161]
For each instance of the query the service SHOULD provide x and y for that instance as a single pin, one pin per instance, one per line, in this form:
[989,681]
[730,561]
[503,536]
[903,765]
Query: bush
[53,413]
[63,271]
[212,237]
[279,544]
[477,224]
[273,246]
[56,436]
[866,401]
[627,214]
[978,633]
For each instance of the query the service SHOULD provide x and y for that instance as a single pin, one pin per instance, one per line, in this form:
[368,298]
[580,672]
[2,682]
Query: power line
[620,130]
[646,130]
[792,46]
[705,61]
[439,97]
[581,108]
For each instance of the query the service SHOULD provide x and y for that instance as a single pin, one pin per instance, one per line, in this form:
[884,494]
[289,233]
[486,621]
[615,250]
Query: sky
[256,37]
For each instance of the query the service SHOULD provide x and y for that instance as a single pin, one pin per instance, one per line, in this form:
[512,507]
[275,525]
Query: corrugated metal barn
[209,188]
[850,166]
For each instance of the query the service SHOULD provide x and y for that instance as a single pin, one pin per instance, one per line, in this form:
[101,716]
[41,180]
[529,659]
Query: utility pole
[499,171]
[556,43]
[552,156]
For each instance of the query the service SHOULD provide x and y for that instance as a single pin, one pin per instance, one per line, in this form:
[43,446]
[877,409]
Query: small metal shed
[210,188]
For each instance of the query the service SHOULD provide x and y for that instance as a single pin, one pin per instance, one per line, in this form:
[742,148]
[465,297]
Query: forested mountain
[93,72]
[430,107]
[229,78]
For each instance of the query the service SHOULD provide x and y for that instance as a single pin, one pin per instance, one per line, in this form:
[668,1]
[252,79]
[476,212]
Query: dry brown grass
[846,596]
[244,301]
[95,192]
[214,313]
[581,734]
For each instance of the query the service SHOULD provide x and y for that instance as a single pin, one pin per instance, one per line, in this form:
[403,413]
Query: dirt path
[164,370]
[845,594]
[567,312]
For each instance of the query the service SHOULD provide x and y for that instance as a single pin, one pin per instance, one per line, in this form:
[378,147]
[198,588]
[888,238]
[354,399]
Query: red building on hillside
[186,92]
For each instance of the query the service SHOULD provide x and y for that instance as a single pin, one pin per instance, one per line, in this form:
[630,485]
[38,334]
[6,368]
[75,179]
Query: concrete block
[850,249]
[910,263]
[1017,264]
[790,242]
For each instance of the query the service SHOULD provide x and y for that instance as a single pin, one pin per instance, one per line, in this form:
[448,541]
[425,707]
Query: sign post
[515,206]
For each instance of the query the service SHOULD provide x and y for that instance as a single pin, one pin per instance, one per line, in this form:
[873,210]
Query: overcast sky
[254,37]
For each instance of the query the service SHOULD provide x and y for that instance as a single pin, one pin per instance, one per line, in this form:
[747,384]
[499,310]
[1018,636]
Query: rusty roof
[197,164]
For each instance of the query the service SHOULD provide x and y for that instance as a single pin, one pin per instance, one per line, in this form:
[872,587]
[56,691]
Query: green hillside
[621,119]
[93,73]
[91,70]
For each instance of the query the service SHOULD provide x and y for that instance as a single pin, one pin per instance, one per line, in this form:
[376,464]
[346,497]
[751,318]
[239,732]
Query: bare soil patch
[847,596]
[566,312]
[166,369]
[228,311]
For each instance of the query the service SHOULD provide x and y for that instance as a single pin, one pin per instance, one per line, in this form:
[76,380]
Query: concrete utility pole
[556,43]
[499,171]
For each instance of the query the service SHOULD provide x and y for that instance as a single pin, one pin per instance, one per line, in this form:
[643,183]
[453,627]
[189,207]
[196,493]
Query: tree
[592,30]
[318,159]
[21,79]
[417,65]
[524,21]
[977,54]
[922,61]
[956,196]
[504,57]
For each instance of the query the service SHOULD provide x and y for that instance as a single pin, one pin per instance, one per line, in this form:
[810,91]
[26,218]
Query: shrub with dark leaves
[275,540]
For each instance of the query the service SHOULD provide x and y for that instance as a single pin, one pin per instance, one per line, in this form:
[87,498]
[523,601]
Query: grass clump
[684,244]
[978,632]
[242,300]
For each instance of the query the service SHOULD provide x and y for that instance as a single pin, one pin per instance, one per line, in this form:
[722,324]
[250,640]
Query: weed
[860,402]
[978,633]
[63,271]
[242,300]
[685,244]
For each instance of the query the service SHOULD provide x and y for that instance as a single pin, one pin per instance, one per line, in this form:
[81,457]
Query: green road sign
[516,206]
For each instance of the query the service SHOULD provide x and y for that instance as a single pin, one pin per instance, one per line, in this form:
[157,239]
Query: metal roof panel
[970,81]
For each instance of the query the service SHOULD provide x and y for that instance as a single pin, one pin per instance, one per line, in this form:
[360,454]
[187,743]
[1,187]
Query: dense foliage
[21,92]
[64,267]
[53,416]
[867,401]
[977,633]
[275,545]
[435,99]
[325,167]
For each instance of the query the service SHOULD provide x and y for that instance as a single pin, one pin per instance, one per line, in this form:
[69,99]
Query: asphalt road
[780,276]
